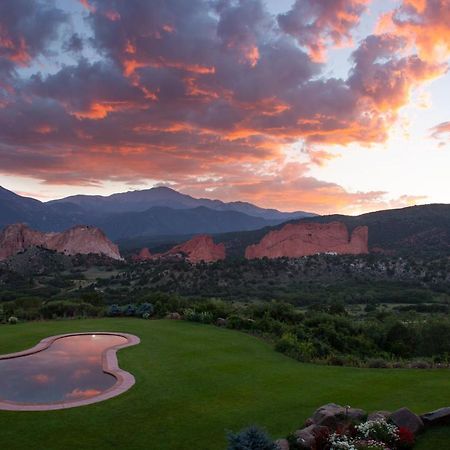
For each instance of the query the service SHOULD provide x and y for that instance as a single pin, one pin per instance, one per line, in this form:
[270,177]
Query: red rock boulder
[143,255]
[303,239]
[199,248]
[80,239]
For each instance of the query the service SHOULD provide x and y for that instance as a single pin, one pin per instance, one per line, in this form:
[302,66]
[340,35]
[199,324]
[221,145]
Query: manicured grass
[434,439]
[196,381]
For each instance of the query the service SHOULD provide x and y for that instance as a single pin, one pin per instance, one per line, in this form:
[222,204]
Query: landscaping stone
[282,444]
[308,422]
[377,415]
[404,417]
[438,417]
[333,415]
[221,322]
[174,316]
[305,437]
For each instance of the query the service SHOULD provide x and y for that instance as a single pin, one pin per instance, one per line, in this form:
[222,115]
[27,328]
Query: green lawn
[196,381]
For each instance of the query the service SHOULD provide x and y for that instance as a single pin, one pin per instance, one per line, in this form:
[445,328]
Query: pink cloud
[78,394]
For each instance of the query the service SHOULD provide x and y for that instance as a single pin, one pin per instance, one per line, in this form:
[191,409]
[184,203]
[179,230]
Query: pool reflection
[70,369]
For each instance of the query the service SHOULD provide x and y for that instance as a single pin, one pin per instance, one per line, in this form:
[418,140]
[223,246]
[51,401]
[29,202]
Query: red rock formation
[79,239]
[302,239]
[199,248]
[143,255]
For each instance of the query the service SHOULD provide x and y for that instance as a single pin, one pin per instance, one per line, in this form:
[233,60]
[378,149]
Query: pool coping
[110,365]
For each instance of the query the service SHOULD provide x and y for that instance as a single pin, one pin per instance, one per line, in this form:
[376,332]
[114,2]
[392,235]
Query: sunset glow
[309,105]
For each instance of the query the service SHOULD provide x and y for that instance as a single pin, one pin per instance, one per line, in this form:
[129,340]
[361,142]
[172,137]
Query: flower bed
[371,435]
[335,427]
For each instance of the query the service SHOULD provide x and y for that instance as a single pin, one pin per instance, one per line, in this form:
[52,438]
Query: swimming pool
[65,371]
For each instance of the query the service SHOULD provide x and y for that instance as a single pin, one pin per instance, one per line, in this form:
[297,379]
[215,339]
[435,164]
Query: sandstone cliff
[302,239]
[79,239]
[199,248]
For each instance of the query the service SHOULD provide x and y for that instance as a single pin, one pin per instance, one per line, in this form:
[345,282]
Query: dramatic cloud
[384,78]
[204,94]
[27,27]
[425,23]
[289,186]
[316,23]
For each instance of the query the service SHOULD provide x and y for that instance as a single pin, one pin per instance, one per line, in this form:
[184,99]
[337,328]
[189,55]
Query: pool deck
[125,380]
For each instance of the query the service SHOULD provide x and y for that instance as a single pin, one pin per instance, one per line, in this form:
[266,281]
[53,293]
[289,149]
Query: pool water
[70,369]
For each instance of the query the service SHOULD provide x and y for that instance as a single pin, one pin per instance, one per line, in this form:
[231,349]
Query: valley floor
[194,382]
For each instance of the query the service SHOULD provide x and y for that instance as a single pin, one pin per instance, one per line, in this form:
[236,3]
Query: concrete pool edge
[110,365]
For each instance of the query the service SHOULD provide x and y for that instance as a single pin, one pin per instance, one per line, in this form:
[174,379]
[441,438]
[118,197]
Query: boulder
[305,437]
[404,417]
[302,239]
[173,316]
[143,255]
[76,240]
[438,417]
[308,422]
[221,322]
[282,444]
[378,415]
[333,415]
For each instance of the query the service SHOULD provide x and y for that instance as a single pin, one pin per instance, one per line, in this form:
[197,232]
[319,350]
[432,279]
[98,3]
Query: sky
[330,106]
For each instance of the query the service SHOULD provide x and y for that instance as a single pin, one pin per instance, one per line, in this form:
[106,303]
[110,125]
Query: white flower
[340,442]
[371,427]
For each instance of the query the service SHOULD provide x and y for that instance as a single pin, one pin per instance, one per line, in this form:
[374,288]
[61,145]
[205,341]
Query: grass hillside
[196,381]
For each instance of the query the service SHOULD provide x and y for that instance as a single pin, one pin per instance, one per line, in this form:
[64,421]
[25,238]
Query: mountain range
[152,212]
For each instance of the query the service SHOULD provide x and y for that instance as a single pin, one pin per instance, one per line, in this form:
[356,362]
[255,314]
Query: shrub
[145,309]
[291,346]
[287,343]
[113,311]
[13,320]
[130,310]
[205,317]
[191,315]
[65,308]
[252,438]
[239,323]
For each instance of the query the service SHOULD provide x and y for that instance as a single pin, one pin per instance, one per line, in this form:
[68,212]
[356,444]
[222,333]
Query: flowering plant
[371,435]
[378,430]
[405,438]
[341,442]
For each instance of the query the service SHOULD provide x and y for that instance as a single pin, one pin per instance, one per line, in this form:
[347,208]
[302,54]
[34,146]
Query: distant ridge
[141,200]
[151,212]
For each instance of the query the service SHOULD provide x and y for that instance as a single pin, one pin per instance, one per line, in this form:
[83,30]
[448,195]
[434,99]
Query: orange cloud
[41,378]
[15,50]
[317,23]
[424,23]
[78,394]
